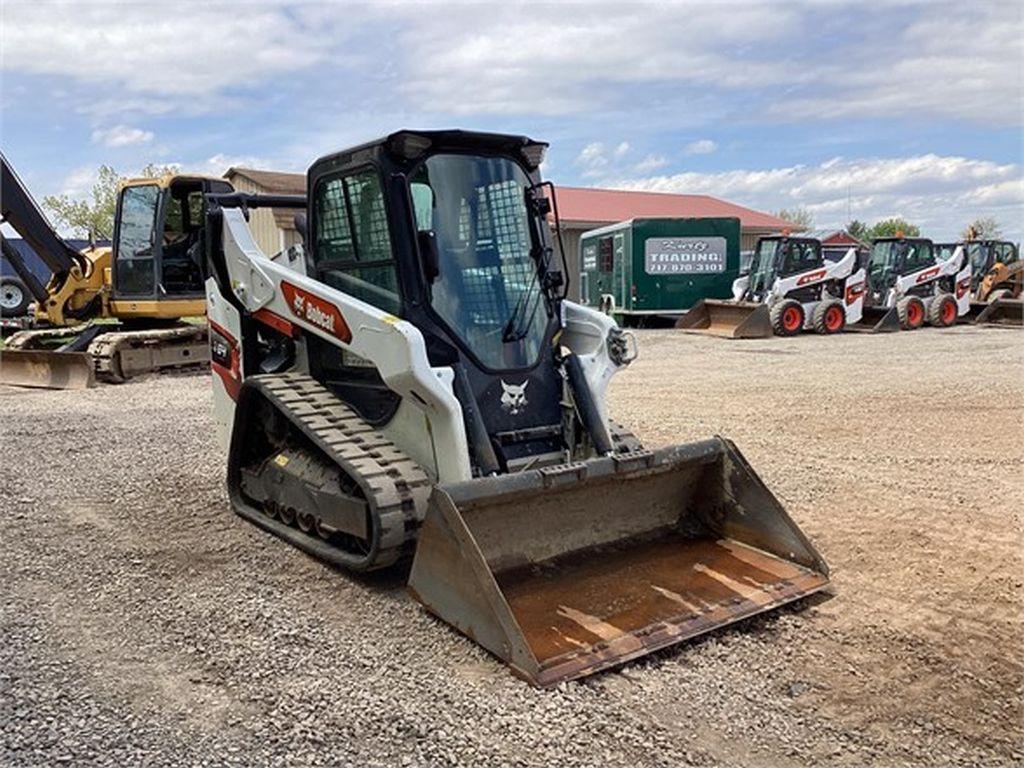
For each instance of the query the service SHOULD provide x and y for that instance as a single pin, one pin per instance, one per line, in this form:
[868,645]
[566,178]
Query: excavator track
[393,487]
[43,337]
[120,355]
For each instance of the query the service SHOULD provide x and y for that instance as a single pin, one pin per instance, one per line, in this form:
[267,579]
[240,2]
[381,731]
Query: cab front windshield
[486,290]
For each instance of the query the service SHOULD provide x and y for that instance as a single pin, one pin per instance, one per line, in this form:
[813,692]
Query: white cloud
[592,159]
[940,193]
[622,149]
[701,147]
[121,136]
[649,164]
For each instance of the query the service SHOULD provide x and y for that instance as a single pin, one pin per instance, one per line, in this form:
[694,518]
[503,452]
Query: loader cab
[894,257]
[448,230]
[777,257]
[159,238]
[986,254]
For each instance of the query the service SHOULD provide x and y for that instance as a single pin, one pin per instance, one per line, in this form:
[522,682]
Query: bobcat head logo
[513,397]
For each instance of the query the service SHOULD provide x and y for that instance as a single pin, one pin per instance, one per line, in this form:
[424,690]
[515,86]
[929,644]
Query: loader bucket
[729,319]
[1001,312]
[566,571]
[46,368]
[876,320]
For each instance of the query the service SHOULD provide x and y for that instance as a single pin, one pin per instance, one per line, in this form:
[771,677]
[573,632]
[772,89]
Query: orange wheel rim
[948,312]
[914,313]
[833,318]
[791,319]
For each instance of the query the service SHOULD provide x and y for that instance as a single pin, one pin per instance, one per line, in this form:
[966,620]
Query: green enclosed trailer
[643,270]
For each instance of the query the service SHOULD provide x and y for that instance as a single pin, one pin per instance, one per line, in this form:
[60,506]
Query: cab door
[136,241]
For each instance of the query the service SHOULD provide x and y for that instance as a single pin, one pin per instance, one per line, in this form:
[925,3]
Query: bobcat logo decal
[513,397]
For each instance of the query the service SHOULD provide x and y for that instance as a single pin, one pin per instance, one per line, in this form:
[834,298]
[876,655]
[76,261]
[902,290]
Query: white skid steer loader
[413,386]
[791,288]
[907,287]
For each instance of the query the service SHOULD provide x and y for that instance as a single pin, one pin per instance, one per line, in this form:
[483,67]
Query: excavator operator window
[180,258]
[136,240]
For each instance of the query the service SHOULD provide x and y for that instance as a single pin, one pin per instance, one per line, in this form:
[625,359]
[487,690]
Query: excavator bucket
[876,320]
[729,319]
[46,368]
[566,571]
[1001,312]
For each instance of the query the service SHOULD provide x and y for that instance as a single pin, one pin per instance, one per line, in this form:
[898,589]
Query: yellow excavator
[111,313]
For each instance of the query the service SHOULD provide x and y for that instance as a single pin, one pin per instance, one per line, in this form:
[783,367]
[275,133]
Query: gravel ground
[141,623]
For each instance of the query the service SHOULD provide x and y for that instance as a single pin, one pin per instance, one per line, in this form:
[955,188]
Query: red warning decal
[810,277]
[318,312]
[926,275]
[963,287]
[854,292]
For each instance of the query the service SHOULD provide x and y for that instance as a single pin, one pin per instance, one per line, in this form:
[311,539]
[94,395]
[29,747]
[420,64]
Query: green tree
[894,227]
[983,228]
[96,215]
[801,218]
[859,230]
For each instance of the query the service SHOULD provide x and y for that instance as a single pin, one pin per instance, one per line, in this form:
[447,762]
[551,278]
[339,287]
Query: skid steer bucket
[567,571]
[729,319]
[876,320]
[46,368]
[1001,312]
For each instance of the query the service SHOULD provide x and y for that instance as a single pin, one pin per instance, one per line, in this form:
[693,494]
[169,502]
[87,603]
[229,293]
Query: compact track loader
[414,386]
[791,288]
[112,313]
[997,276]
[907,286]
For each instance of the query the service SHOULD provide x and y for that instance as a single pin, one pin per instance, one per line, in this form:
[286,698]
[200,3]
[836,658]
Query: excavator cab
[158,244]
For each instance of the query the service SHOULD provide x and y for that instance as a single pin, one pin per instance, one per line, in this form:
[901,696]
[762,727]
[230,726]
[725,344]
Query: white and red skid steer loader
[908,287]
[791,288]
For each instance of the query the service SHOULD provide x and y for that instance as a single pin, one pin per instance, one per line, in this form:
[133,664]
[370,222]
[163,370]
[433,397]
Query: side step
[727,319]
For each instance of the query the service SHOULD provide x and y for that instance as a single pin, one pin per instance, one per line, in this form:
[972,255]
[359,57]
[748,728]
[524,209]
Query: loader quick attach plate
[727,319]
[566,572]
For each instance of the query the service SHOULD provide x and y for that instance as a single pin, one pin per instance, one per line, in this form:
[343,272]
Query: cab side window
[352,245]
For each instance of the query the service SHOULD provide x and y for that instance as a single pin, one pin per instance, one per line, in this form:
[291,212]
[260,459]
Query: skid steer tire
[911,313]
[829,317]
[787,318]
[943,311]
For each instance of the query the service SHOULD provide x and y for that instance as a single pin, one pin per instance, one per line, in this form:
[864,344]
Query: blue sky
[848,109]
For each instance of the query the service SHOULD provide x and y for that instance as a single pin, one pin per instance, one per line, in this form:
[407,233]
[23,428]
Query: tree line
[983,228]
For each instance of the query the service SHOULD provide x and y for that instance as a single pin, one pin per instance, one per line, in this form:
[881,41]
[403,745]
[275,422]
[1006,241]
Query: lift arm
[21,212]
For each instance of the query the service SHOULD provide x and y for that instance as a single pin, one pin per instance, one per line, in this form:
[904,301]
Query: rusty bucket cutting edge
[564,572]
[47,369]
[727,319]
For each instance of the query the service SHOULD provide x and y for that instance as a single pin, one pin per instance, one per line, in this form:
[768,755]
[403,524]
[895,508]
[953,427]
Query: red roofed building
[579,208]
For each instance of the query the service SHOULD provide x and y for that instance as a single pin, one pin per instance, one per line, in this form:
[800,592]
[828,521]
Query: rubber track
[395,486]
